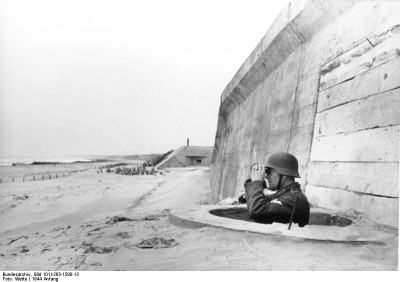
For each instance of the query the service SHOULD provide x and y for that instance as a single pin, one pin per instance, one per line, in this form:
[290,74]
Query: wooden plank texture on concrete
[375,111]
[374,145]
[271,102]
[380,79]
[300,143]
[303,177]
[227,177]
[393,30]
[344,66]
[271,126]
[378,209]
[371,178]
[304,116]
[307,88]
[358,60]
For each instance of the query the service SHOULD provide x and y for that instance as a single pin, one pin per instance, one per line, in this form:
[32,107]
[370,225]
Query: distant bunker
[187,156]
[324,225]
[323,84]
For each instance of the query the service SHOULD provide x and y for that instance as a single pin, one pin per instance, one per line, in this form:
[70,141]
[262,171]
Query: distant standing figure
[187,142]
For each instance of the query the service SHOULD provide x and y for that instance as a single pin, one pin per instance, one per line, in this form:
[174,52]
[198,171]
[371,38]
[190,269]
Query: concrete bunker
[323,84]
[316,217]
[187,156]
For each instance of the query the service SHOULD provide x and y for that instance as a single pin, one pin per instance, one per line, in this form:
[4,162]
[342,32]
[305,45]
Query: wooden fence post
[23,179]
[43,177]
[13,179]
[34,178]
[50,176]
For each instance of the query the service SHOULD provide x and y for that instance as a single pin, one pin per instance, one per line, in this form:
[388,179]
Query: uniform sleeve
[242,198]
[259,206]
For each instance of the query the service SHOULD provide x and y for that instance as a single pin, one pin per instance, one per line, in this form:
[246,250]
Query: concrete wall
[323,84]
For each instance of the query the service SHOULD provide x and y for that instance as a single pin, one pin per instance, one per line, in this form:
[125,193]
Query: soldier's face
[273,179]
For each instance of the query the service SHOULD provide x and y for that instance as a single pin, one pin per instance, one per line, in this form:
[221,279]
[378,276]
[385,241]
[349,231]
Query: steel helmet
[284,163]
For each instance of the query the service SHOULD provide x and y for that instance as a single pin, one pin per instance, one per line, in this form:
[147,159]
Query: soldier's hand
[257,172]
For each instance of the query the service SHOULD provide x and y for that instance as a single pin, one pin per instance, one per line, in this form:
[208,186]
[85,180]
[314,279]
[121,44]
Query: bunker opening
[316,218]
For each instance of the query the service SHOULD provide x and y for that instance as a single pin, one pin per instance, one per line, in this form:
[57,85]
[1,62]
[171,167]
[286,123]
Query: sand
[101,221]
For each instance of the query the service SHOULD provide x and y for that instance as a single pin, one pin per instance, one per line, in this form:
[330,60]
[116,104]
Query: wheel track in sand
[142,198]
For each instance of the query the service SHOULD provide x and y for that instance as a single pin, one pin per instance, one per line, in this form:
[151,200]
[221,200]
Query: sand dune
[92,221]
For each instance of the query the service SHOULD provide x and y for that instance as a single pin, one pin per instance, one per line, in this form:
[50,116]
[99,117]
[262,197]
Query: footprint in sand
[152,217]
[157,243]
[20,198]
[80,262]
[94,232]
[58,228]
[23,249]
[45,250]
[16,239]
[90,248]
[117,219]
[123,235]
[100,250]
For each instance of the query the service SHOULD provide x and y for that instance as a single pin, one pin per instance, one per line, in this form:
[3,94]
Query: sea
[28,161]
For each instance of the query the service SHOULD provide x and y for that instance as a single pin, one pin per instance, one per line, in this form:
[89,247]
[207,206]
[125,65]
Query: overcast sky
[119,77]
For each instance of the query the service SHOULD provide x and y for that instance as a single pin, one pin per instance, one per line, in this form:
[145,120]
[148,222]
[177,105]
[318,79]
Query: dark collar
[293,186]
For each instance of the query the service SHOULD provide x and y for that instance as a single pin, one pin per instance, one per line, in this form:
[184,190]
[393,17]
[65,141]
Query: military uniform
[277,207]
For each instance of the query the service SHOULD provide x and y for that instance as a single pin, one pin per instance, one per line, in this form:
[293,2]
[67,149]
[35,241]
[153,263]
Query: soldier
[288,203]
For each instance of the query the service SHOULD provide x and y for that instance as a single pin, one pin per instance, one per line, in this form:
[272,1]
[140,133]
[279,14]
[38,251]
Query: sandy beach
[105,221]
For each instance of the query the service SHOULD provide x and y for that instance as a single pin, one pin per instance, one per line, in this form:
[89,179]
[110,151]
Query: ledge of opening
[328,225]
[316,217]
